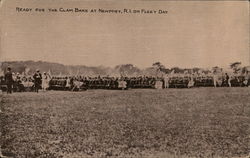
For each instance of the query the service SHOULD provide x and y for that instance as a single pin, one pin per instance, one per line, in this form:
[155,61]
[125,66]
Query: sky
[191,34]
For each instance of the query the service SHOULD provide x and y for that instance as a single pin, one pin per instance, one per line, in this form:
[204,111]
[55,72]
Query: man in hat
[37,80]
[9,80]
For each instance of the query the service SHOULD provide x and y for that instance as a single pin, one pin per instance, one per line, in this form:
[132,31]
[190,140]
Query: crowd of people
[20,83]
[15,82]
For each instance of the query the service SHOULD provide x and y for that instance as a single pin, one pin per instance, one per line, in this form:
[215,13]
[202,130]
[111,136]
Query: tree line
[29,67]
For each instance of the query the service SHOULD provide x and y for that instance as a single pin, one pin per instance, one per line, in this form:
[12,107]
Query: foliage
[127,70]
[217,69]
[235,66]
[124,69]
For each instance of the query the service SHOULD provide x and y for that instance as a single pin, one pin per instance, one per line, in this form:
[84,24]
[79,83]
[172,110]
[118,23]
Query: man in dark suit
[227,79]
[9,80]
[37,80]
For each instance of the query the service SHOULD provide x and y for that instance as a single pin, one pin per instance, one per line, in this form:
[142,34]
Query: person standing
[166,81]
[191,82]
[68,85]
[215,79]
[45,81]
[228,81]
[246,79]
[9,80]
[37,80]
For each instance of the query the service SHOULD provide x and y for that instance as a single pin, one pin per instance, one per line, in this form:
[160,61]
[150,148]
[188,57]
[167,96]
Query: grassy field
[199,122]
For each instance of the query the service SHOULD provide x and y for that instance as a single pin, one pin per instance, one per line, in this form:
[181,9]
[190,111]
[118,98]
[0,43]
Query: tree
[245,69]
[177,70]
[235,66]
[159,67]
[127,69]
[216,69]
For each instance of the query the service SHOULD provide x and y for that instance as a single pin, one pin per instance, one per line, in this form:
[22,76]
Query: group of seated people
[20,83]
[77,83]
[83,83]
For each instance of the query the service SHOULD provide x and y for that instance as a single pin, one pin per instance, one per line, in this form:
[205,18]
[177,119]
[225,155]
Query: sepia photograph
[124,79]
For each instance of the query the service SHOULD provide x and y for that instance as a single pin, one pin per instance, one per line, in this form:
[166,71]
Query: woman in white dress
[191,82]
[68,85]
[166,81]
[45,81]
[215,78]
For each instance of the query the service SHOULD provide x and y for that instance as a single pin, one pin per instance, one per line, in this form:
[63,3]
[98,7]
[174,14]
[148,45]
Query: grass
[199,122]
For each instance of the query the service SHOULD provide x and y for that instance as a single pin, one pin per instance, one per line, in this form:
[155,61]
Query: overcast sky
[192,34]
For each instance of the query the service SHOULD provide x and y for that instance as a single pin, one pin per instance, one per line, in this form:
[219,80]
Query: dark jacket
[8,77]
[37,78]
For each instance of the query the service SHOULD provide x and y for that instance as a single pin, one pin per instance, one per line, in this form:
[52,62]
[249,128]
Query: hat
[37,70]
